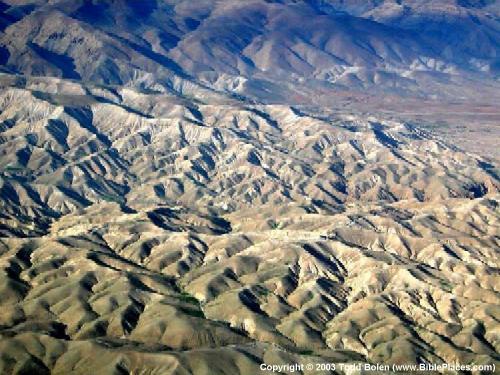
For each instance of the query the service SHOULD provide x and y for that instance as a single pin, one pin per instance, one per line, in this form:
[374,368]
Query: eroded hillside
[145,232]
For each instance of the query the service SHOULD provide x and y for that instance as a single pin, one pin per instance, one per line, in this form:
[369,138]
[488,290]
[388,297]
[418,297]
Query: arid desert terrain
[206,187]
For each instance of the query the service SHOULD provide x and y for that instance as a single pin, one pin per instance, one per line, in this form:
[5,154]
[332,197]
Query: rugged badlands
[143,233]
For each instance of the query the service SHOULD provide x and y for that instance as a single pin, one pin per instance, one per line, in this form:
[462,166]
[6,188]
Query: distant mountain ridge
[266,50]
[203,187]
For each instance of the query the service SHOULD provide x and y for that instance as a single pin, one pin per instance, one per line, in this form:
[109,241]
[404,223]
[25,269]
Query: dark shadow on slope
[253,158]
[383,138]
[478,4]
[6,125]
[11,14]
[93,13]
[322,258]
[85,118]
[23,156]
[477,190]
[266,117]
[489,169]
[75,196]
[196,113]
[248,299]
[154,56]
[131,315]
[17,11]
[4,54]
[192,23]
[64,63]
[174,221]
[127,210]
[59,130]
[334,199]
[142,9]
[168,41]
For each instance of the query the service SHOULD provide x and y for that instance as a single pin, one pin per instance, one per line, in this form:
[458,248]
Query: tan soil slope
[141,234]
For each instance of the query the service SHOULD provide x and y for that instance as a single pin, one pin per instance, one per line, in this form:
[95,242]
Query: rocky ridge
[175,236]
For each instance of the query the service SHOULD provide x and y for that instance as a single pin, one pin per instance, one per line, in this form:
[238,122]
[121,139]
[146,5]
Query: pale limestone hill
[150,233]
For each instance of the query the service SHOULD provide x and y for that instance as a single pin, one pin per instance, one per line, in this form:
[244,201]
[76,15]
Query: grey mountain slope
[198,187]
[218,43]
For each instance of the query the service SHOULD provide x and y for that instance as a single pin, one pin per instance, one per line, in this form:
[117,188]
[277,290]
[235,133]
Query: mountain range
[268,51]
[206,187]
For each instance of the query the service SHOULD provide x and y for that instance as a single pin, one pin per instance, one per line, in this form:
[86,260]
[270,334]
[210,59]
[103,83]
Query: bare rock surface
[181,238]
[202,187]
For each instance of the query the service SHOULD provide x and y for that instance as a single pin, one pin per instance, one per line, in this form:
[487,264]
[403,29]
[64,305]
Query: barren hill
[203,187]
[138,223]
